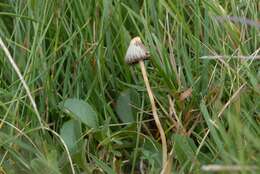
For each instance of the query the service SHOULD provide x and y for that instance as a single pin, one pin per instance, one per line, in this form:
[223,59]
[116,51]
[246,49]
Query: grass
[94,112]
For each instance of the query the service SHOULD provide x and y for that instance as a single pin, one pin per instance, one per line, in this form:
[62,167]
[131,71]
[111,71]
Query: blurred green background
[95,116]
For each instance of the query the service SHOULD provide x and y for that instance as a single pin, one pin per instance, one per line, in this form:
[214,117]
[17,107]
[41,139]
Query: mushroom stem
[155,115]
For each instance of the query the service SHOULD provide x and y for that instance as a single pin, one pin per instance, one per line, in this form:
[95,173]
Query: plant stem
[18,72]
[155,115]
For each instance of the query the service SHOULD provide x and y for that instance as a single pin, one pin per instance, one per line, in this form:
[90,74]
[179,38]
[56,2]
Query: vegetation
[93,113]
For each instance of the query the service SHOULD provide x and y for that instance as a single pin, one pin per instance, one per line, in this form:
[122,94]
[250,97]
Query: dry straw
[18,72]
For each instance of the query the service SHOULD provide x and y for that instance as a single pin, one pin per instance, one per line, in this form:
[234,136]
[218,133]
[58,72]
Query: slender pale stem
[155,115]
[18,72]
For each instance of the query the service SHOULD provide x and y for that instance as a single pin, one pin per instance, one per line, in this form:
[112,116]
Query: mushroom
[137,53]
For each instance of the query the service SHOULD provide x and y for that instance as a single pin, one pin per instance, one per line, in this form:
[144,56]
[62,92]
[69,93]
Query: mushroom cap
[136,51]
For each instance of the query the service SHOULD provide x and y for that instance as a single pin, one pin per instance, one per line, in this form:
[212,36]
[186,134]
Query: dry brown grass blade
[227,168]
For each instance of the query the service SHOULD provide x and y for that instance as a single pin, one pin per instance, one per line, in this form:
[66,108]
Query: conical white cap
[136,51]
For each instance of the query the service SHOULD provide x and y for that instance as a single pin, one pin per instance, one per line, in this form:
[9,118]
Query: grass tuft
[69,103]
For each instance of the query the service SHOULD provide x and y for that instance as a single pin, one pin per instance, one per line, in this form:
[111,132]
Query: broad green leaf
[81,111]
[70,133]
[124,108]
[151,152]
[185,148]
[49,165]
[102,165]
